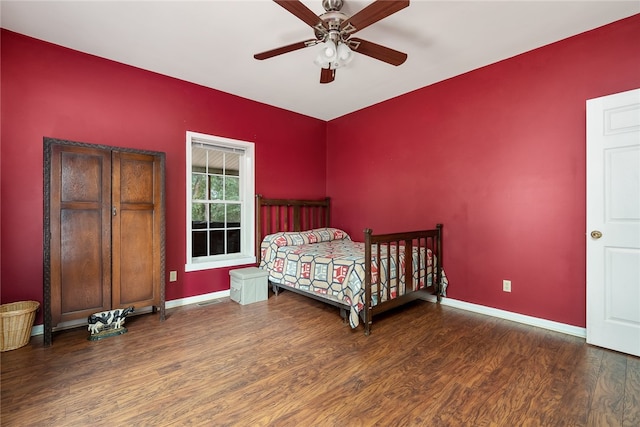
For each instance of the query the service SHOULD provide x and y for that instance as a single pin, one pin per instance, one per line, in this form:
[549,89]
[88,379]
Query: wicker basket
[16,321]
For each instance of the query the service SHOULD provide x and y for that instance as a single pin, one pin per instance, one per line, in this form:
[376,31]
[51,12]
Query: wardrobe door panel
[137,196]
[136,257]
[81,262]
[80,226]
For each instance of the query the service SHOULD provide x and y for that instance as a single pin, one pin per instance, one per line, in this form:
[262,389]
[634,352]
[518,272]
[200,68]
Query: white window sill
[229,262]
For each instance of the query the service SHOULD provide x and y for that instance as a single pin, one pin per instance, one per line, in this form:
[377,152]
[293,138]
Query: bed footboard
[417,259]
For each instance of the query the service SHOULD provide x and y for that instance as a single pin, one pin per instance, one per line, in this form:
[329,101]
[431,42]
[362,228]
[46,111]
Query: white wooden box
[249,285]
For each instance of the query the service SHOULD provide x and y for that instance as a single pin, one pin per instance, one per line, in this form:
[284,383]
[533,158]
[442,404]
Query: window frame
[247,199]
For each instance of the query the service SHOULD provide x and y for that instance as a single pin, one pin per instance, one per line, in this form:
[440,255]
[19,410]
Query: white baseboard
[197,299]
[481,309]
[514,317]
[39,329]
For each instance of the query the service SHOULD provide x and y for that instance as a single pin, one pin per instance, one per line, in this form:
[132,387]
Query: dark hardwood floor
[292,362]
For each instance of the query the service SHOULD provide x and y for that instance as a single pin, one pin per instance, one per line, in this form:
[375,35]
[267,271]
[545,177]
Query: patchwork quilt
[328,263]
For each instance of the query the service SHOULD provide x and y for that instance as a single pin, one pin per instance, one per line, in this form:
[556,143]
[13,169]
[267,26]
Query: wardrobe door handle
[114,211]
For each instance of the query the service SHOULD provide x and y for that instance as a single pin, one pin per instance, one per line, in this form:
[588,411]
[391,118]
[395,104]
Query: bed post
[439,266]
[367,281]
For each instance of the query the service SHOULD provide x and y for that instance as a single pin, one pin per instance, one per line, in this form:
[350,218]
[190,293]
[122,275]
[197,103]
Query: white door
[613,222]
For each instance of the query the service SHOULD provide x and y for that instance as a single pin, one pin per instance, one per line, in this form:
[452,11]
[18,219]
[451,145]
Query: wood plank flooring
[291,361]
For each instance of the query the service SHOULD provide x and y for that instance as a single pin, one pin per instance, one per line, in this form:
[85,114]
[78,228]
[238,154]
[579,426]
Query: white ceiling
[212,43]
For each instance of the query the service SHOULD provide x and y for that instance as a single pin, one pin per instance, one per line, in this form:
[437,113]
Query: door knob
[596,234]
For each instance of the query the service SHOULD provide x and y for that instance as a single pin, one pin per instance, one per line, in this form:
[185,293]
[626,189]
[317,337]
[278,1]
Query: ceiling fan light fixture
[333,57]
[321,61]
[329,51]
[345,54]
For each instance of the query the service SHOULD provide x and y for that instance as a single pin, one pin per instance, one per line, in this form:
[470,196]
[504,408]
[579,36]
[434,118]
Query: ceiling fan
[333,29]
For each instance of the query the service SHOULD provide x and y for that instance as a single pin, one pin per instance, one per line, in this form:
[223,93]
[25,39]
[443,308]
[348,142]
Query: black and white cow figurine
[112,319]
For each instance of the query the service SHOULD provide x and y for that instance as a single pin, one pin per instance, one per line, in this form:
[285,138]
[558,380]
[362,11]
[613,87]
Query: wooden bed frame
[276,215]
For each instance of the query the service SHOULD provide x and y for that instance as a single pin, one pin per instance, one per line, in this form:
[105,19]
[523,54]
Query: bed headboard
[274,215]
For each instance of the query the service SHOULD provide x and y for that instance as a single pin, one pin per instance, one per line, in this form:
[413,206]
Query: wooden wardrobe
[104,231]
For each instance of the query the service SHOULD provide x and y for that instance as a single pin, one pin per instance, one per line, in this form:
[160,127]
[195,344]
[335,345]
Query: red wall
[498,156]
[51,91]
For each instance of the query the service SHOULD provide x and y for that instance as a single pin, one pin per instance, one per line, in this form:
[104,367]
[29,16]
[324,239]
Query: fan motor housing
[333,20]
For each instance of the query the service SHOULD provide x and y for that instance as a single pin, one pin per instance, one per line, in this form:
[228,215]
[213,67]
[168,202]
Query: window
[220,202]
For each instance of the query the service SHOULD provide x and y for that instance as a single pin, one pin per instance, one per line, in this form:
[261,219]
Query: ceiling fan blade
[302,12]
[284,49]
[327,75]
[382,53]
[376,11]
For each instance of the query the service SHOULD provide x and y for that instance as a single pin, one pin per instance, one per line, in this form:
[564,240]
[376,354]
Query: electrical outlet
[173,276]
[506,285]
